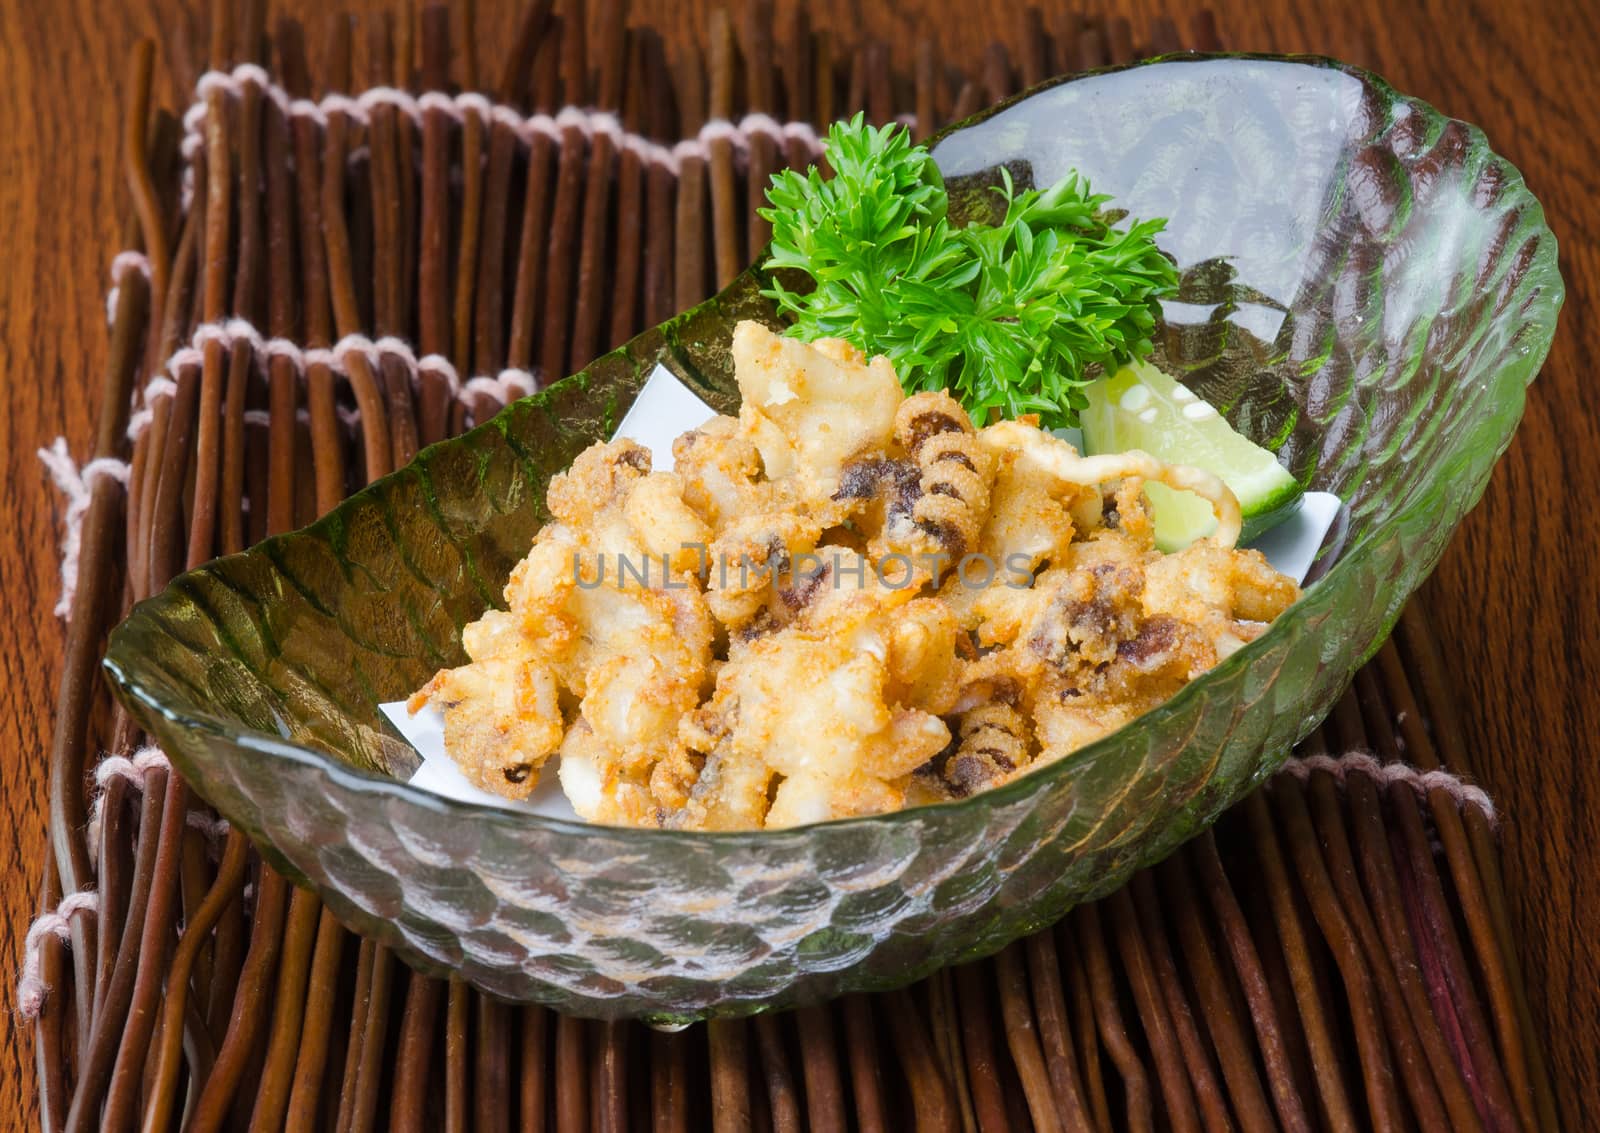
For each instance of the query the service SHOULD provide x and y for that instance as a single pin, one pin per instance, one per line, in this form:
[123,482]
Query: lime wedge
[1140,407]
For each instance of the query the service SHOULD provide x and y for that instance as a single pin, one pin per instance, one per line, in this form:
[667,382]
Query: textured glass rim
[124,676]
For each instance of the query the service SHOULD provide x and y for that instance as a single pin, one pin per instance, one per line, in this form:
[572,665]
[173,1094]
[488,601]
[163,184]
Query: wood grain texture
[1516,601]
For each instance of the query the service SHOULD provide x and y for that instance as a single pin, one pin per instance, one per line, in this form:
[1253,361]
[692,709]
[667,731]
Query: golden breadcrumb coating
[843,601]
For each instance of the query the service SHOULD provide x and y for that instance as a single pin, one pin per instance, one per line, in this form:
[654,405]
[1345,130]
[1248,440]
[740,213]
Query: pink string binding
[31,988]
[78,487]
[134,769]
[589,123]
[1385,774]
[121,264]
[503,387]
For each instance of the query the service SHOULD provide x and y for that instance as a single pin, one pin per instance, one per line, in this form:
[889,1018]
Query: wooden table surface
[1516,600]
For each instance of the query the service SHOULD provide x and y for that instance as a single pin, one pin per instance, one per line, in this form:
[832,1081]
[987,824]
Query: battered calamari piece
[726,647]
[1159,658]
[811,409]
[1030,509]
[1231,595]
[823,717]
[630,648]
[935,500]
[599,790]
[995,743]
[1061,460]
[747,564]
[804,720]
[927,655]
[501,721]
[954,470]
[721,472]
[1101,646]
[645,656]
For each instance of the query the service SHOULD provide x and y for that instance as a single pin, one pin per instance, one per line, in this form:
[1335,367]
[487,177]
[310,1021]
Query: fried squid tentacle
[674,777]
[702,784]
[673,780]
[995,743]
[955,470]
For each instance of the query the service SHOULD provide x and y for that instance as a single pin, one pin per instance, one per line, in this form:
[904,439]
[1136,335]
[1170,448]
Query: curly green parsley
[1009,317]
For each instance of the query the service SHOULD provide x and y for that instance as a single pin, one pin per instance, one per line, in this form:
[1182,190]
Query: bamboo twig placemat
[333,266]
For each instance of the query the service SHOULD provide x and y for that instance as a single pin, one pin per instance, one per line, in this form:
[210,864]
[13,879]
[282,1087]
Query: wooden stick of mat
[728,248]
[1037,1032]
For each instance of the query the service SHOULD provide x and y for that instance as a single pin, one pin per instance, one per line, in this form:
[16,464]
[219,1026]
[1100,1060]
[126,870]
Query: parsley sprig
[1008,317]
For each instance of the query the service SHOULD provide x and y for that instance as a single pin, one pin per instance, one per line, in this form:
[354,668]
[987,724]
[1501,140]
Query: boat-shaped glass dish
[1367,289]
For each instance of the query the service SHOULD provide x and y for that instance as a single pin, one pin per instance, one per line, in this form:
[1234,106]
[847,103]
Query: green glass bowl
[1367,288]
